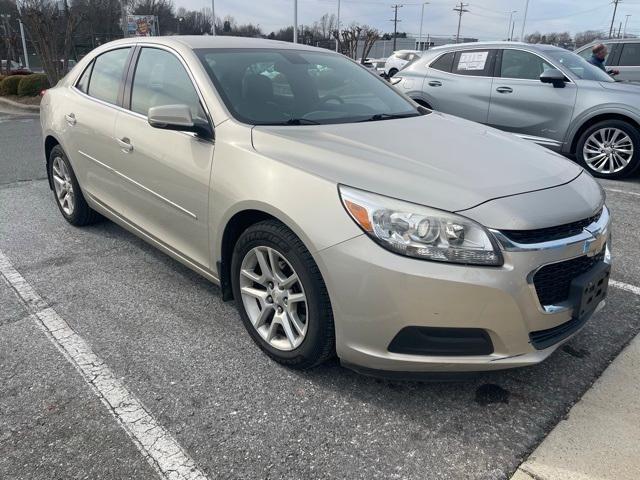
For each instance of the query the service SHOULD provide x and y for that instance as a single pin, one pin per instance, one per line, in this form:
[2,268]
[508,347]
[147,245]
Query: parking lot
[166,335]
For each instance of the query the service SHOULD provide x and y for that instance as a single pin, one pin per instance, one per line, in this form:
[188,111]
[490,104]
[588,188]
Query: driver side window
[160,79]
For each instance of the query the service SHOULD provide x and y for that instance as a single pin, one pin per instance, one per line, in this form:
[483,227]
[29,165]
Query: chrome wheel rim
[274,298]
[63,186]
[608,150]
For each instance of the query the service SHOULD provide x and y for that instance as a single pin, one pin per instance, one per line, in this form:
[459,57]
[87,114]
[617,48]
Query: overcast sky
[487,19]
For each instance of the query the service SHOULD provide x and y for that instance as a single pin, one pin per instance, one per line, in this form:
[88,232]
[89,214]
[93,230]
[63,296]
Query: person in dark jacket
[599,53]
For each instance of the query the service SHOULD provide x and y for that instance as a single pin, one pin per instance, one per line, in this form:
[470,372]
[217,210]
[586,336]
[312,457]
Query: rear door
[90,114]
[522,104]
[628,62]
[165,174]
[459,83]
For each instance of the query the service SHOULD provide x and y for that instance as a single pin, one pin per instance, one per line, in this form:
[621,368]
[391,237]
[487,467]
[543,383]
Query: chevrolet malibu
[341,217]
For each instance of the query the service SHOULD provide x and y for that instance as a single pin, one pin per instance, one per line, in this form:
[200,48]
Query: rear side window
[402,56]
[160,80]
[476,63]
[445,62]
[106,75]
[83,82]
[630,56]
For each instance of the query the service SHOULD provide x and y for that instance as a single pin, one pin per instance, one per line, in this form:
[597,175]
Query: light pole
[338,28]
[24,42]
[624,32]
[421,20]
[509,29]
[213,17]
[295,21]
[524,20]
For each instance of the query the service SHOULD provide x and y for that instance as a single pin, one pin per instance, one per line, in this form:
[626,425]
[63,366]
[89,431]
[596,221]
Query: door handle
[125,144]
[504,90]
[70,118]
[435,83]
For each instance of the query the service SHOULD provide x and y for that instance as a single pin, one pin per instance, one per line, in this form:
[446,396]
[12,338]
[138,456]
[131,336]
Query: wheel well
[234,228]
[597,119]
[49,143]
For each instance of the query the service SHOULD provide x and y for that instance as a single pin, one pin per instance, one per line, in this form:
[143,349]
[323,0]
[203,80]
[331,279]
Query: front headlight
[420,232]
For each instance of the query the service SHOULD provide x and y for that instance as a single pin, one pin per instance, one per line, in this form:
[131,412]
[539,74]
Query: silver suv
[545,94]
[624,55]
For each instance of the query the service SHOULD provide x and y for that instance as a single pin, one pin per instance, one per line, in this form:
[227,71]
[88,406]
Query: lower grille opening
[553,282]
[442,341]
[542,339]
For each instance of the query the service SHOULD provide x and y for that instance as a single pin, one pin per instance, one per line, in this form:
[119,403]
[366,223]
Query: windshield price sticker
[473,60]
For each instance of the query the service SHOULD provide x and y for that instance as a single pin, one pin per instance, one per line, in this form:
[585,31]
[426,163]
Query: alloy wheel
[608,150]
[274,298]
[63,186]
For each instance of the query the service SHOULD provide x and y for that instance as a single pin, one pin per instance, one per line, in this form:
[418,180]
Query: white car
[398,60]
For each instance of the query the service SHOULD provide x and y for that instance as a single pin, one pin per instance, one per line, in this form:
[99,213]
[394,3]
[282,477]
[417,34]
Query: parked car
[624,55]
[398,60]
[15,68]
[545,94]
[342,217]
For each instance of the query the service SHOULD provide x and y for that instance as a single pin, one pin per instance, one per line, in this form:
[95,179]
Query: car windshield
[579,66]
[289,87]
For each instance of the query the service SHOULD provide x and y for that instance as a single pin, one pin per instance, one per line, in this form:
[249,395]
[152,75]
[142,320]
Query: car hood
[436,160]
[623,87]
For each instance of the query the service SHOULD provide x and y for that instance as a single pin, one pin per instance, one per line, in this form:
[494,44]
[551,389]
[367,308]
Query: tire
[60,170]
[628,141]
[290,256]
[392,72]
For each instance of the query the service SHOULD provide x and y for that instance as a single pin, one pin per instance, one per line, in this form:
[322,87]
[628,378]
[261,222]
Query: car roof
[496,44]
[218,41]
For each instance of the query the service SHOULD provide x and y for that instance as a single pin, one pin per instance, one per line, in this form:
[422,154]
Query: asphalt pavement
[167,336]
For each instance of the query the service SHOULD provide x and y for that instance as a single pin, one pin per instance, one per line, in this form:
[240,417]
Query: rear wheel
[281,296]
[610,149]
[67,192]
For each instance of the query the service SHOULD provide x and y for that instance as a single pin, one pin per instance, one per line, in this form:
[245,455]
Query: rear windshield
[289,87]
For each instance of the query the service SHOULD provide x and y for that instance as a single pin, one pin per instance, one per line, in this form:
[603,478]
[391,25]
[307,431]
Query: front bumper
[376,293]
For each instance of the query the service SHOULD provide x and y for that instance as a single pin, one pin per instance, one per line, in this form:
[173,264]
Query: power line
[395,23]
[460,9]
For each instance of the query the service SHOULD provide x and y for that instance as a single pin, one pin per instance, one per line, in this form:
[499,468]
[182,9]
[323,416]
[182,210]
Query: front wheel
[610,149]
[392,72]
[281,296]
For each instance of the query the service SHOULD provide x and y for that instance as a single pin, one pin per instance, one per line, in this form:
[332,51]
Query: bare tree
[370,36]
[350,37]
[588,36]
[51,25]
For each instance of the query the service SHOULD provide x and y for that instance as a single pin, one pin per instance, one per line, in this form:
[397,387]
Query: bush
[32,85]
[9,86]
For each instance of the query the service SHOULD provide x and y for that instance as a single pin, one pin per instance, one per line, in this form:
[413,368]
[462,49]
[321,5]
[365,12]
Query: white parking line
[616,190]
[625,286]
[155,443]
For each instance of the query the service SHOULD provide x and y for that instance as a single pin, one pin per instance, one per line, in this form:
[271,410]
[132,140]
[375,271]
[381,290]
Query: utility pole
[613,19]
[460,9]
[395,24]
[509,29]
[513,27]
[338,28]
[524,20]
[421,20]
[619,30]
[213,17]
[295,21]
[624,32]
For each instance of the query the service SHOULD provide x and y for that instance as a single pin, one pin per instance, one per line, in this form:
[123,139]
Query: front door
[522,104]
[165,173]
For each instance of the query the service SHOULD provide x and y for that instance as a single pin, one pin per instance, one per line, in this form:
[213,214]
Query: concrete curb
[600,439]
[22,106]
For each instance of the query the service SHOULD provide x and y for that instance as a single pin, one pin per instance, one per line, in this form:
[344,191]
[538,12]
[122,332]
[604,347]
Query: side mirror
[553,76]
[177,117]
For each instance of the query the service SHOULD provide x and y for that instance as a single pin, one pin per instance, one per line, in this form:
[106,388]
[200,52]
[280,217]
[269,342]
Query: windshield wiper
[389,116]
[301,121]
